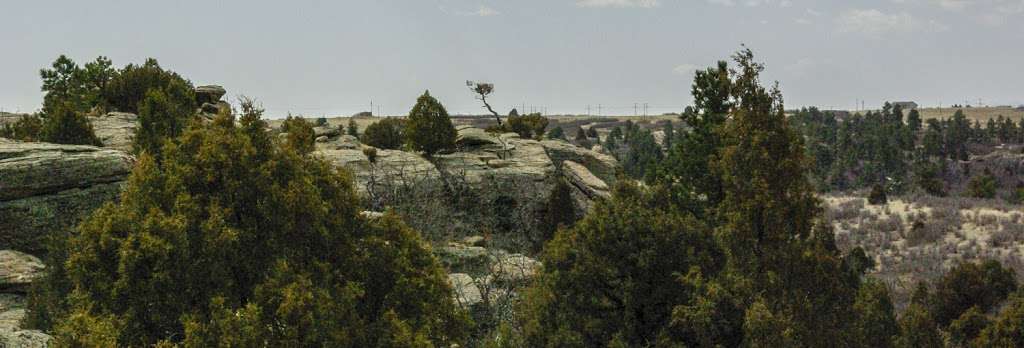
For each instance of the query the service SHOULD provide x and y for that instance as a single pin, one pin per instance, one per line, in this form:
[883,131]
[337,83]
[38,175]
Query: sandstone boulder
[209,94]
[389,166]
[585,181]
[601,165]
[344,142]
[18,270]
[329,132]
[464,289]
[514,268]
[12,310]
[470,137]
[116,129]
[47,188]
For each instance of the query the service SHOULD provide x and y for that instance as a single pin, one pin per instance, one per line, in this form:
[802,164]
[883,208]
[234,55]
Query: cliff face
[480,155]
[50,187]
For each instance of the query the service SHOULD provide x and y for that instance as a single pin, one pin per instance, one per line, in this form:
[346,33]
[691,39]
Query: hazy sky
[334,57]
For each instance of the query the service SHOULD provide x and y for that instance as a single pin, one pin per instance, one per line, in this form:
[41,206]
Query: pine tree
[914,121]
[429,129]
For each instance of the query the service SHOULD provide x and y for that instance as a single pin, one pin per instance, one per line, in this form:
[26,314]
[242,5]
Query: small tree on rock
[429,128]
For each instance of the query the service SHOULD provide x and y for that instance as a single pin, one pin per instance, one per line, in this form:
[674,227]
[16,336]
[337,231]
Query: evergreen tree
[128,88]
[918,329]
[983,186]
[688,165]
[429,129]
[26,128]
[613,276]
[958,133]
[301,136]
[388,133]
[161,118]
[230,240]
[556,133]
[63,125]
[352,128]
[876,324]
[1007,330]
[768,211]
[969,284]
[914,121]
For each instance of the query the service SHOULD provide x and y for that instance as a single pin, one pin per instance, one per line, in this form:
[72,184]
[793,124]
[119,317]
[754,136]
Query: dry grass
[915,238]
[980,114]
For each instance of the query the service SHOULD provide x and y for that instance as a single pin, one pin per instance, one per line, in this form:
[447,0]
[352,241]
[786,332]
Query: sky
[333,58]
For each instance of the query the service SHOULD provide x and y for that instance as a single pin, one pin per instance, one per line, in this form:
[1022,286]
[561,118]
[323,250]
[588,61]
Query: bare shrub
[846,210]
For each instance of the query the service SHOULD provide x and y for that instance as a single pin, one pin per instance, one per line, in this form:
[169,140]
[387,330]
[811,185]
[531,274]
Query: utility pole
[599,109]
[645,109]
[588,109]
[634,109]
[371,106]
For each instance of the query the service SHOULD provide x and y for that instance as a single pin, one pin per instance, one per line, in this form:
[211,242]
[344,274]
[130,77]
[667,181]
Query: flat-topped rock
[209,94]
[18,270]
[47,188]
[464,290]
[601,165]
[31,169]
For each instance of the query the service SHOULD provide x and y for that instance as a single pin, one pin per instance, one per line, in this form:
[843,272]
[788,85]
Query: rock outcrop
[115,129]
[12,310]
[482,277]
[480,156]
[49,187]
[18,270]
[209,94]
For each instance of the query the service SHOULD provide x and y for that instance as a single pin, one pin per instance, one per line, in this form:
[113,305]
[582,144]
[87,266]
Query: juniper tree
[385,134]
[231,240]
[428,128]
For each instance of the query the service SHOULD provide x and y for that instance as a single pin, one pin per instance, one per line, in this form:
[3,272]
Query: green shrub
[527,126]
[966,328]
[918,329]
[876,323]
[371,154]
[64,125]
[1007,330]
[970,284]
[230,241]
[321,122]
[556,133]
[614,275]
[429,129]
[161,118]
[26,128]
[127,90]
[877,195]
[385,134]
[352,129]
[983,186]
[300,134]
